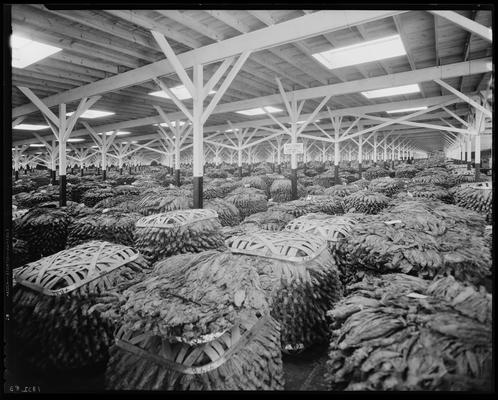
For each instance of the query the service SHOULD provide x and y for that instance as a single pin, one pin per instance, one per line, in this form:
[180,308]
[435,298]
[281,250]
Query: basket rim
[38,269]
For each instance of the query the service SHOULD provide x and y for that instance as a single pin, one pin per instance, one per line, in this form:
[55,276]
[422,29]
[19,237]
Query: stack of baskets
[301,277]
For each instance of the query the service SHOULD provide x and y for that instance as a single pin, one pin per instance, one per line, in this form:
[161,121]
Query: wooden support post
[198,140]
[469,153]
[360,154]
[374,155]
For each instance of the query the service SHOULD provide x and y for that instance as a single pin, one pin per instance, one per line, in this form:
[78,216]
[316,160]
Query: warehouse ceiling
[99,44]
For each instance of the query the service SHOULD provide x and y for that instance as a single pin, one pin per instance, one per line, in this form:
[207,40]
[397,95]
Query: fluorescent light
[36,145]
[90,114]
[30,127]
[180,92]
[132,142]
[72,140]
[303,121]
[407,109]
[95,147]
[120,133]
[26,51]
[393,91]
[259,111]
[360,53]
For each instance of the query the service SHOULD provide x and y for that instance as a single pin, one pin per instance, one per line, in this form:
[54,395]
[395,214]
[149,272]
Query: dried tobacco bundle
[111,226]
[218,188]
[419,243]
[163,201]
[199,322]
[44,229]
[405,171]
[271,220]
[428,191]
[257,182]
[93,196]
[280,190]
[311,204]
[386,185]
[300,276]
[228,214]
[365,201]
[63,304]
[116,201]
[182,231]
[248,201]
[475,197]
[79,189]
[404,333]
[20,253]
[126,190]
[341,190]
[375,172]
[315,190]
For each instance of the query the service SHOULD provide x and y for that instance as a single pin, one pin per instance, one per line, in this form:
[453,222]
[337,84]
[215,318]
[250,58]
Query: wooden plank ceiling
[98,44]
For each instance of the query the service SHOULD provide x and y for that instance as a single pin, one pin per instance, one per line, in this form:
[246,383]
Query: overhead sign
[293,148]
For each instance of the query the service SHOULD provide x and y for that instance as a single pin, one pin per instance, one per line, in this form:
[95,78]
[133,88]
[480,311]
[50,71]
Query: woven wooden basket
[64,303]
[181,231]
[176,218]
[70,269]
[298,272]
[245,357]
[294,247]
[331,228]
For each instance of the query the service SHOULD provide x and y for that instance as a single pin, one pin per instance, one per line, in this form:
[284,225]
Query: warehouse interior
[251,199]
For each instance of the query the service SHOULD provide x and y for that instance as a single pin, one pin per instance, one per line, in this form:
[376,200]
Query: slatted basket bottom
[243,358]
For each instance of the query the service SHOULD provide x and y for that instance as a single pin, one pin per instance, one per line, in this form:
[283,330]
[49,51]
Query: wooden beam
[467,24]
[463,97]
[276,35]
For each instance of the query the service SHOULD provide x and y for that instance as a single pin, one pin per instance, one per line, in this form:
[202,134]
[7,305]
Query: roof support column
[374,155]
[199,92]
[336,123]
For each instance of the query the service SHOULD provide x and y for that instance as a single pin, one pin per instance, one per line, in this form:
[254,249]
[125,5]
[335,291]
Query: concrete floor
[303,371]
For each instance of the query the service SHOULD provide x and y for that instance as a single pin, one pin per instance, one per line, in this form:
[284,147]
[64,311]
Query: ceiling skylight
[360,53]
[180,92]
[259,111]
[120,133]
[90,114]
[26,51]
[181,123]
[303,121]
[392,91]
[30,127]
[402,110]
